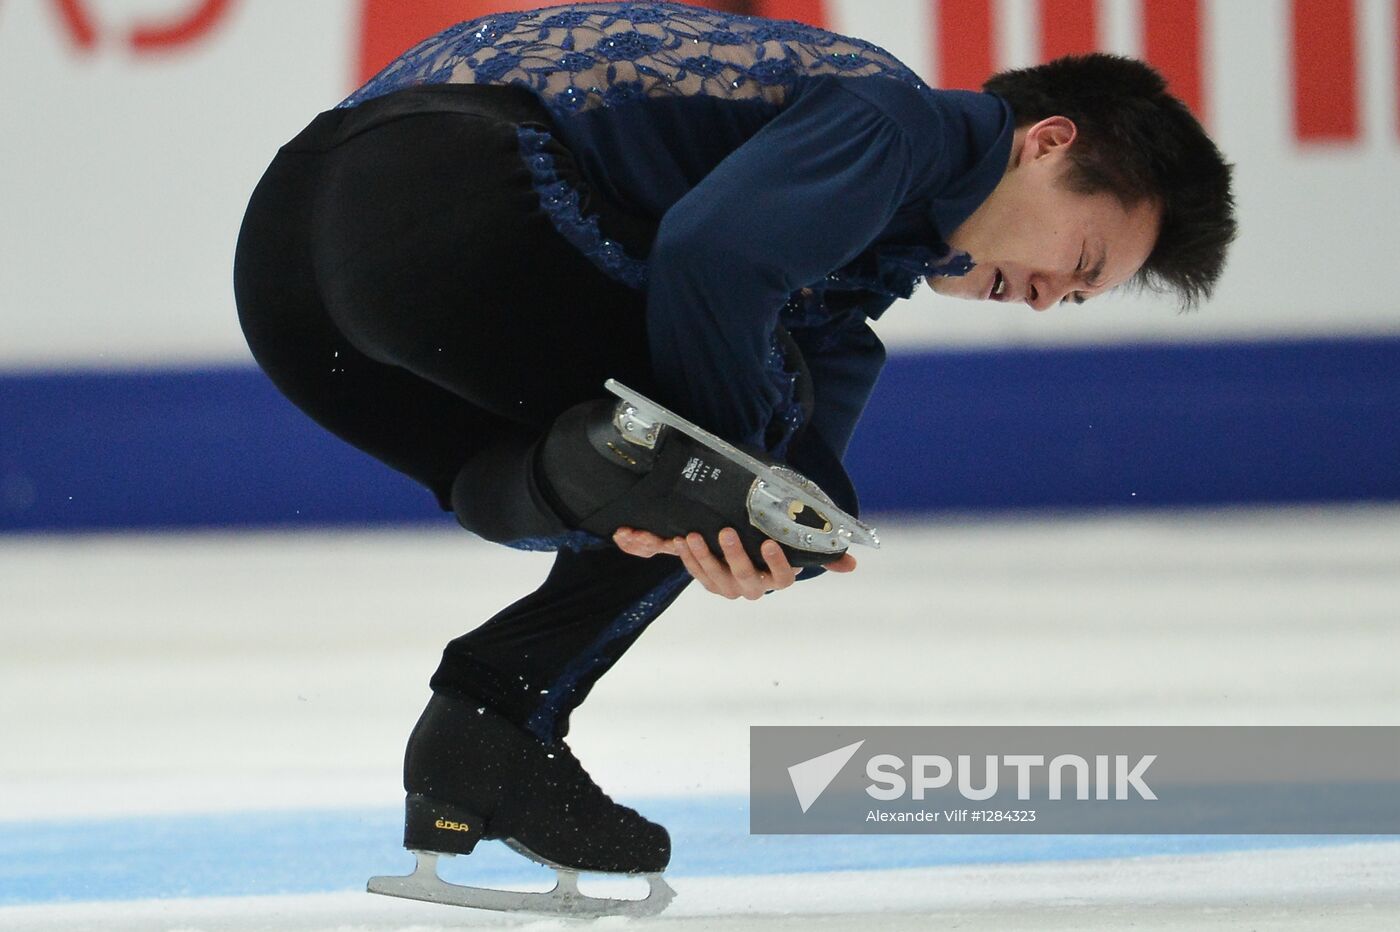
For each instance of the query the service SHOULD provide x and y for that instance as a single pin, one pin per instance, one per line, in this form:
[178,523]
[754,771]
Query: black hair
[1139,143]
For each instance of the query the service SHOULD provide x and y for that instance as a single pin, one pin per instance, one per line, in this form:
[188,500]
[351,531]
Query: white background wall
[123,178]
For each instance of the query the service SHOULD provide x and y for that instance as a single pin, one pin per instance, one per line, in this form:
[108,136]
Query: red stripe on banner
[1068,27]
[78,23]
[811,12]
[1172,43]
[964,43]
[1325,106]
[179,31]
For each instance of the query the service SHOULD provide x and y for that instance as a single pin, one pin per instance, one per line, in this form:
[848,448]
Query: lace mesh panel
[587,55]
[582,56]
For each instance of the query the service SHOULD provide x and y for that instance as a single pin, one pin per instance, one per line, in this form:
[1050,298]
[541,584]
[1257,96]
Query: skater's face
[1036,241]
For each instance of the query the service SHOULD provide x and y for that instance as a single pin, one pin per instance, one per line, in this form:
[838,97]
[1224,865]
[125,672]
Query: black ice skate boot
[471,774]
[468,766]
[631,463]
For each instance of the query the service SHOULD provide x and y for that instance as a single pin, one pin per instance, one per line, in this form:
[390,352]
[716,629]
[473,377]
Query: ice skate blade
[564,900]
[774,489]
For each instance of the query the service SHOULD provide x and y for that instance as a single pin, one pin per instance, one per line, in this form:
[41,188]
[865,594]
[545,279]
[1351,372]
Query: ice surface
[252,673]
[1353,888]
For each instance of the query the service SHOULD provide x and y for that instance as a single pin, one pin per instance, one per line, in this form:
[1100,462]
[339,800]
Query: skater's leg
[433,255]
[410,424]
[445,422]
[434,354]
[487,751]
[505,345]
[536,660]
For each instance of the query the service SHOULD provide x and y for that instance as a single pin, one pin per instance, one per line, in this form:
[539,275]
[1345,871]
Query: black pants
[398,281]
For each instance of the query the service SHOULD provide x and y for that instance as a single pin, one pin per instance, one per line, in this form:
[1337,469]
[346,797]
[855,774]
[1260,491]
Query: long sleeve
[843,369]
[803,196]
[844,366]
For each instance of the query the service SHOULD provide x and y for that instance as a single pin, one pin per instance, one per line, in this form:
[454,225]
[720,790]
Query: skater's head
[1111,181]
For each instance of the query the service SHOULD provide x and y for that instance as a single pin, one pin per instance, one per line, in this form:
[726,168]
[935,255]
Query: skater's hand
[733,577]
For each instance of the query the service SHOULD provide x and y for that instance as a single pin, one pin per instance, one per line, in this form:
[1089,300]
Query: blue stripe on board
[265,853]
[1006,429]
[1135,426]
[180,449]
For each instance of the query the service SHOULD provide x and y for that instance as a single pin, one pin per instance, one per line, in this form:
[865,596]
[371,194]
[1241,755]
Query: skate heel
[433,825]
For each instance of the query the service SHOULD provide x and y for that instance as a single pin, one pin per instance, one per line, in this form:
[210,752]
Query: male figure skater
[446,268]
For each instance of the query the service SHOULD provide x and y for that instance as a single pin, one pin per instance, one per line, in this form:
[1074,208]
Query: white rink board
[125,178]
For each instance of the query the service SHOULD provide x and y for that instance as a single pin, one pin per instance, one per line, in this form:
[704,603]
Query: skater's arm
[843,360]
[844,367]
[805,195]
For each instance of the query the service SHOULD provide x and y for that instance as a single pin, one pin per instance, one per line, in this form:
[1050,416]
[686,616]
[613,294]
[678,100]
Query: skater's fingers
[714,569]
[693,566]
[780,572]
[642,543]
[751,583]
[634,545]
[735,557]
[846,564]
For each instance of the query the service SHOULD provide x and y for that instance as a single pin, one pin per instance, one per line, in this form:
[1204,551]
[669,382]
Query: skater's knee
[496,496]
[584,465]
[529,487]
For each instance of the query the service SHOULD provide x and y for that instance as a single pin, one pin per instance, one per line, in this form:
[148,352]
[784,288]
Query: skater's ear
[1137,142]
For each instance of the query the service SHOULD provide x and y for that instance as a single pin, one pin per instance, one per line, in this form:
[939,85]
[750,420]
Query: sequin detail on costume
[898,270]
[561,203]
[889,271]
[787,413]
[544,722]
[588,55]
[569,540]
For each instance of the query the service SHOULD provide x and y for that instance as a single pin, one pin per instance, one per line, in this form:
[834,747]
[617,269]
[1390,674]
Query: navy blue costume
[725,179]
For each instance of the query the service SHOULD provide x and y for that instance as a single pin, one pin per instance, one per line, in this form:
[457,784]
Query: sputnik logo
[810,778]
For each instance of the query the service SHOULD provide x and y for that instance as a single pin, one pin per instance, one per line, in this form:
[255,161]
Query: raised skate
[782,503]
[633,463]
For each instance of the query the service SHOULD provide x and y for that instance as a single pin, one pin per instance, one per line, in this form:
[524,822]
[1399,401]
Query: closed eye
[1092,278]
[1096,273]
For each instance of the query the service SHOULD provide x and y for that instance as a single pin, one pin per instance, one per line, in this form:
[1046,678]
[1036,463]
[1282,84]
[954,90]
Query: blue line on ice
[259,853]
